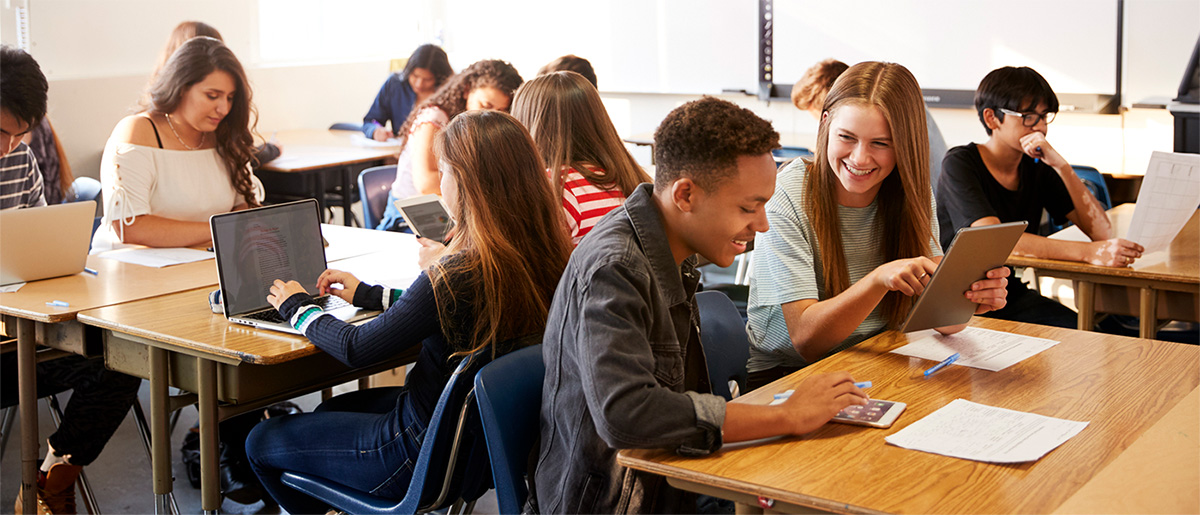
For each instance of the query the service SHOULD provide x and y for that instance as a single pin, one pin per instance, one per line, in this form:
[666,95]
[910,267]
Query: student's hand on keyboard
[349,284]
[280,291]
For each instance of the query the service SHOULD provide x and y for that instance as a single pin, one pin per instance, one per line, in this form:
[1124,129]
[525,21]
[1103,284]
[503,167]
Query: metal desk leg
[347,200]
[160,438]
[1148,325]
[27,396]
[210,486]
[1085,302]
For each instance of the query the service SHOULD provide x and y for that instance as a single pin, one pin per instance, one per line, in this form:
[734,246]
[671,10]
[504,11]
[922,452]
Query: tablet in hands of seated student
[427,216]
[974,251]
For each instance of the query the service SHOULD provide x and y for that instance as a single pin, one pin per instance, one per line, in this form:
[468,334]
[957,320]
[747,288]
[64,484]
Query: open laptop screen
[257,246]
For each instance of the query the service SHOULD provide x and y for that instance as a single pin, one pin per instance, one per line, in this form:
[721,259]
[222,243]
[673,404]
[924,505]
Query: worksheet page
[1169,196]
[972,431]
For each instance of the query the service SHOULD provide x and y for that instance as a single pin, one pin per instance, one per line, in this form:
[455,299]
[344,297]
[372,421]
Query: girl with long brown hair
[484,85]
[853,234]
[187,156]
[592,171]
[489,294]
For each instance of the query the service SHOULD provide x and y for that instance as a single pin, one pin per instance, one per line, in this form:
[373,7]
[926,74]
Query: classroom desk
[175,340]
[312,159]
[25,314]
[1168,281]
[1140,452]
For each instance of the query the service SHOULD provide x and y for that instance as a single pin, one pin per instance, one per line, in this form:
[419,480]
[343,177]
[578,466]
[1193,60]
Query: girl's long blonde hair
[903,201]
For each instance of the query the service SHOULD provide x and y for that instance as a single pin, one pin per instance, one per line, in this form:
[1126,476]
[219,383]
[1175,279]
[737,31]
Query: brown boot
[55,491]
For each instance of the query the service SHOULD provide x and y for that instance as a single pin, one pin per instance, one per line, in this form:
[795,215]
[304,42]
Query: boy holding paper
[1014,176]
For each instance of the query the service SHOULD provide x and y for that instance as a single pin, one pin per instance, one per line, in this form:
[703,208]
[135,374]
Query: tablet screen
[428,219]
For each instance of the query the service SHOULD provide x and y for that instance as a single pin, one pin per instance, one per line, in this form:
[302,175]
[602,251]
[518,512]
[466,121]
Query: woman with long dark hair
[426,70]
[184,158]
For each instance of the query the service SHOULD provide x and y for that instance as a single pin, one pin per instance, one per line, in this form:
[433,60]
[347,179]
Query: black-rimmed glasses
[1030,119]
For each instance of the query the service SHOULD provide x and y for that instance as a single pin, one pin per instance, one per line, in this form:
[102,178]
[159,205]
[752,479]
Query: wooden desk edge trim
[209,352]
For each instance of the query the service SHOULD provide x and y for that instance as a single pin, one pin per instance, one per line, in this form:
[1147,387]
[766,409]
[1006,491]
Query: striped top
[20,181]
[787,268]
[585,203]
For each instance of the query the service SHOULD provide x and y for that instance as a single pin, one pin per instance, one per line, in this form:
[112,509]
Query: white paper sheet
[11,287]
[972,431]
[1168,197]
[157,258]
[978,348]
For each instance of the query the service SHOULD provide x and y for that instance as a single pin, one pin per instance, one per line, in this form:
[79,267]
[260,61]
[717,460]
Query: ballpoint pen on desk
[788,393]
[943,364]
[91,271]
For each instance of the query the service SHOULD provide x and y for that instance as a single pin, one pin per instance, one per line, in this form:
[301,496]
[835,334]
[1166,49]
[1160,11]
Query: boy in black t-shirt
[1013,177]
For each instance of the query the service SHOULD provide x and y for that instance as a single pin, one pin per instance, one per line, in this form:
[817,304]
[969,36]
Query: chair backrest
[1094,180]
[345,126]
[373,185]
[509,394]
[726,345]
[437,474]
[83,188]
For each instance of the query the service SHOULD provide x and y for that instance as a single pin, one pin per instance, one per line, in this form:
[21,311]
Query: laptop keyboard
[327,303]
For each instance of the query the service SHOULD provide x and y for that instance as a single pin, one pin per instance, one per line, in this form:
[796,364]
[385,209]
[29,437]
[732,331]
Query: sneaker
[55,491]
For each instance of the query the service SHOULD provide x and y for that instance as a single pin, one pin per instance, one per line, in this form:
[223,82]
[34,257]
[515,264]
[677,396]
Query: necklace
[184,143]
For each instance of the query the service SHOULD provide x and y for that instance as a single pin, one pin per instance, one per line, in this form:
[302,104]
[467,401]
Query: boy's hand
[992,293]
[1117,252]
[816,400]
[1035,145]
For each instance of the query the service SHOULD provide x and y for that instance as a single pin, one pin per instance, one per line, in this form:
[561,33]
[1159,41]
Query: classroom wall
[87,98]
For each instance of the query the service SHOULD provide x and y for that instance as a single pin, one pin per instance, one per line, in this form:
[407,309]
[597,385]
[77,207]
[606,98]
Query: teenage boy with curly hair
[624,364]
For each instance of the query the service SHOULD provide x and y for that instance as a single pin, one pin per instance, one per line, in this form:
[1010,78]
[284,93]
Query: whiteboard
[952,44]
[639,46]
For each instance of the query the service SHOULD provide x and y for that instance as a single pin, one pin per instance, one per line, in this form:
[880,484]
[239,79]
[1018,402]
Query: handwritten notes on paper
[1167,199]
[157,258]
[979,348]
[971,431]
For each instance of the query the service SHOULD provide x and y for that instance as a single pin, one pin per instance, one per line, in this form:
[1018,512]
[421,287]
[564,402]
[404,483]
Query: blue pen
[1036,159]
[864,384]
[58,304]
[91,271]
[943,364]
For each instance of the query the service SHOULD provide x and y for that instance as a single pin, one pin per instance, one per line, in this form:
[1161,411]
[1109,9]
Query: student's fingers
[426,242]
[999,272]
[1135,248]
[989,284]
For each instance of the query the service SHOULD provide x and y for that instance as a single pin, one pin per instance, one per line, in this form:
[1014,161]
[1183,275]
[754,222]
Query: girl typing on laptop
[492,287]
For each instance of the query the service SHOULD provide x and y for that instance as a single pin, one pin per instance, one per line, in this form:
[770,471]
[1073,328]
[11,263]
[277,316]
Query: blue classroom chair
[448,469]
[726,345]
[1094,180]
[373,185]
[509,394]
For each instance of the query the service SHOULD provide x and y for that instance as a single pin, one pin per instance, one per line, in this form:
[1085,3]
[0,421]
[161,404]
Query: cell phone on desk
[876,413]
[427,216]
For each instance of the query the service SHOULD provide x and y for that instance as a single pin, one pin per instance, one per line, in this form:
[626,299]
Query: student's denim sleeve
[634,386]
[381,109]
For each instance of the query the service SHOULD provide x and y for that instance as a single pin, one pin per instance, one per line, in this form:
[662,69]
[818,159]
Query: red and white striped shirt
[585,203]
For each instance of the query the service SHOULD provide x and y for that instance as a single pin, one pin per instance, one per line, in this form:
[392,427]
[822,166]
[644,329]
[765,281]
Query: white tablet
[974,251]
[427,216]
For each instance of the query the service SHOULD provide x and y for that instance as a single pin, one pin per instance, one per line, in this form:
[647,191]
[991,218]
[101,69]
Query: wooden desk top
[1180,263]
[184,320]
[116,283]
[119,282]
[311,149]
[1122,386]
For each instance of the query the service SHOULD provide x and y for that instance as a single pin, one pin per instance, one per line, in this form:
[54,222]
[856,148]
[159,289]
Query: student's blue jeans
[367,440]
[392,219]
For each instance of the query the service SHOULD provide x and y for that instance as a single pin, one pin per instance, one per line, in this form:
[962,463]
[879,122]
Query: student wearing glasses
[1014,176]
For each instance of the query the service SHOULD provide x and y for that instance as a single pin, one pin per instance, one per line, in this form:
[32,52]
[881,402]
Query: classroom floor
[121,478]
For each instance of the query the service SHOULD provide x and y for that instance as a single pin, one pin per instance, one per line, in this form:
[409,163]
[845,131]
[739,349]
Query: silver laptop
[255,247]
[44,242]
